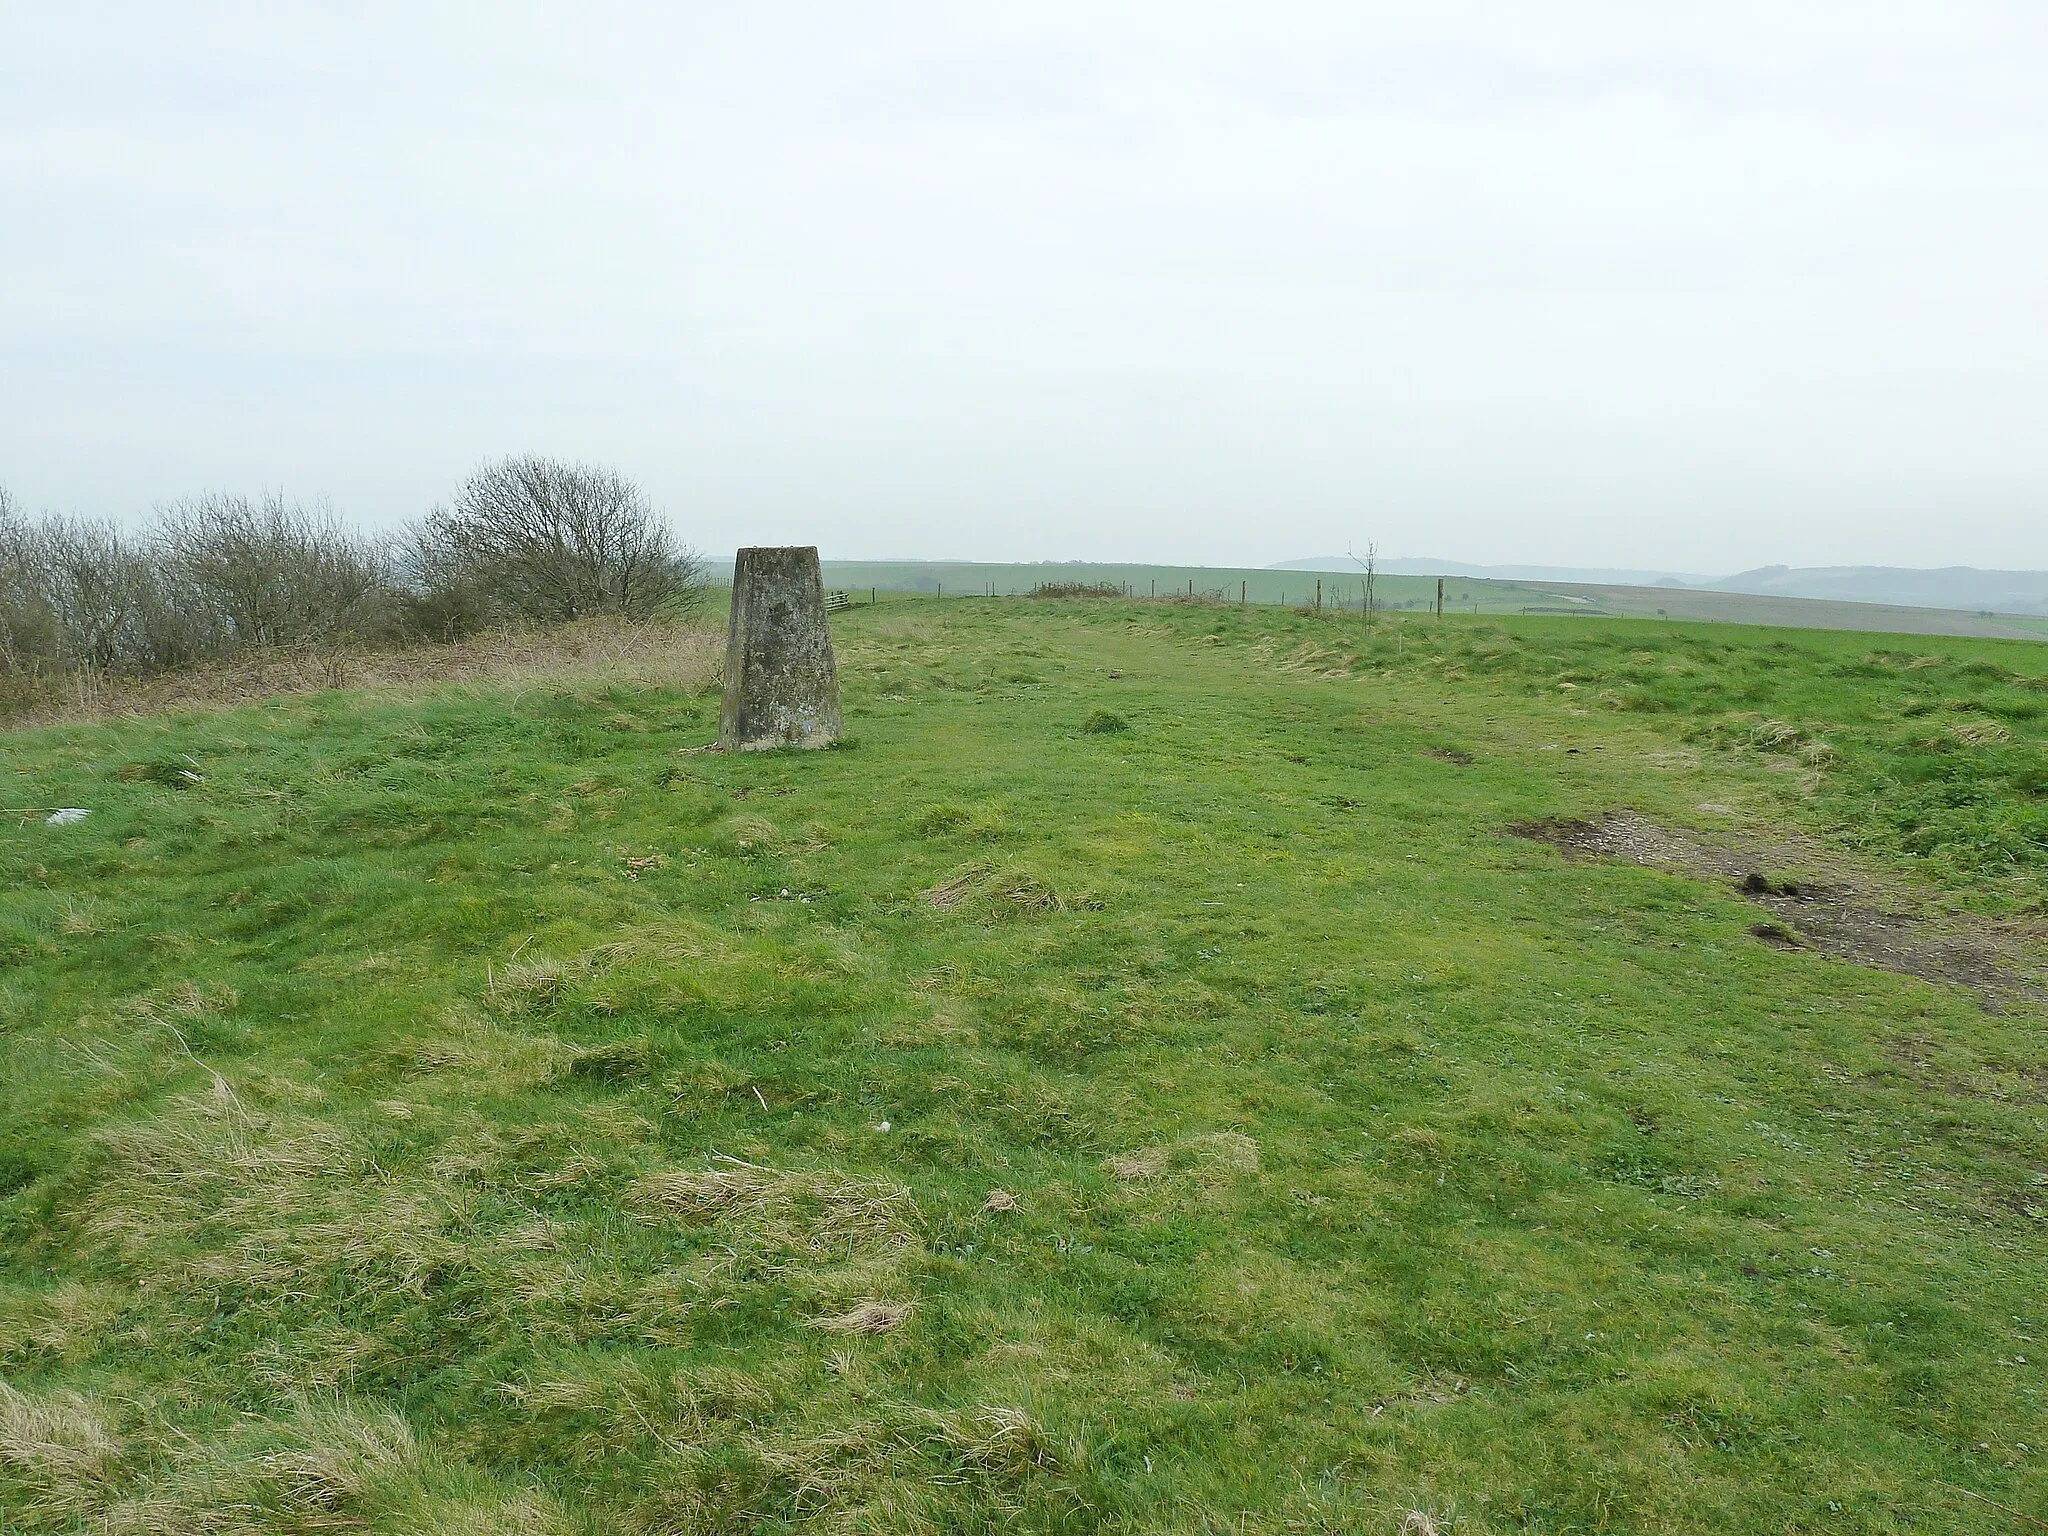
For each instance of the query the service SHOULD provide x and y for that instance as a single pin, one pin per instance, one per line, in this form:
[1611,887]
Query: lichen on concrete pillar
[781,684]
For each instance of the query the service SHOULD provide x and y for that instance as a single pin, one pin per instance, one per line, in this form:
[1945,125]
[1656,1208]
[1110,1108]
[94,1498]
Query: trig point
[781,685]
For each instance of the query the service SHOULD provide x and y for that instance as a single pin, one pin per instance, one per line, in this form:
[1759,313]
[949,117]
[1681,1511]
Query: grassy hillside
[1139,1082]
[1415,593]
[1796,611]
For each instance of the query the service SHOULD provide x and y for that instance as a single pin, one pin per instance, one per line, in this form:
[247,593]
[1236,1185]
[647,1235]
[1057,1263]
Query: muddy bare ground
[1818,902]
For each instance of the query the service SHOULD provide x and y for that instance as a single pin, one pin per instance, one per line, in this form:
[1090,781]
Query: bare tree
[97,587]
[544,541]
[74,594]
[1370,565]
[24,618]
[271,572]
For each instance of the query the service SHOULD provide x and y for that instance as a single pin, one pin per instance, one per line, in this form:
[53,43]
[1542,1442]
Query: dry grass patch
[868,1317]
[321,1467]
[527,1513]
[1219,1154]
[996,888]
[484,1058]
[748,836]
[712,1393]
[325,1467]
[64,1323]
[55,1438]
[593,653]
[533,985]
[819,1212]
[221,1193]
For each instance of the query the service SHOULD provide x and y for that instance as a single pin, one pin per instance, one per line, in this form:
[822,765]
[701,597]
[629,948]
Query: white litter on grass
[66,817]
[883,1126]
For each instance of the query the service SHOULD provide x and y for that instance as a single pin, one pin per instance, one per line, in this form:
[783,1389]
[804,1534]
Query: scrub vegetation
[88,609]
[476,1108]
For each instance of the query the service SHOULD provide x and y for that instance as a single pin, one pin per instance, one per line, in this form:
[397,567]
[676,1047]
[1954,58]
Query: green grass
[1465,595]
[465,1113]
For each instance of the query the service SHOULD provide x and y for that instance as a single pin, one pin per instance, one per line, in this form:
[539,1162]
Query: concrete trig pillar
[781,684]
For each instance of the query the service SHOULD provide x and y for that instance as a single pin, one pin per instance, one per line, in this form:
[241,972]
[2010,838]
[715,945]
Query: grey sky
[1696,287]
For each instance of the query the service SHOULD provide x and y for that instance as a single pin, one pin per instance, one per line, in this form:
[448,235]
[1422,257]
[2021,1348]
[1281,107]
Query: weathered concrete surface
[781,683]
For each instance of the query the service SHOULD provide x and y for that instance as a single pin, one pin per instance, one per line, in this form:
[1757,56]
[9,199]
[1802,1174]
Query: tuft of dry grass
[1212,1152]
[1980,732]
[749,835]
[317,1469]
[334,1453]
[721,1392]
[814,1211]
[527,986]
[274,1195]
[54,1439]
[998,888]
[484,1057]
[867,1317]
[58,1324]
[528,1513]
[1005,1439]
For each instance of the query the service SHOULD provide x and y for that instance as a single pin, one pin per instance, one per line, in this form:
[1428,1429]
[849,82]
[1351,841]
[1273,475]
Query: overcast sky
[1691,287]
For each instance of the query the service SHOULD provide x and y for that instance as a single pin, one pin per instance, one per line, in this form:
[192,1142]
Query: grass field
[1464,594]
[1139,1082]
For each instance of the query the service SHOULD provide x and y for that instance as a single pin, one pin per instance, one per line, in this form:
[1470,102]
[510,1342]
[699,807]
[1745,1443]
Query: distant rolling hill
[1955,586]
[1600,575]
[1960,587]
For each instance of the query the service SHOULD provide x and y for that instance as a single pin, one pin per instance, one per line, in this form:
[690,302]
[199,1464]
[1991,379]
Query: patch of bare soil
[1818,902]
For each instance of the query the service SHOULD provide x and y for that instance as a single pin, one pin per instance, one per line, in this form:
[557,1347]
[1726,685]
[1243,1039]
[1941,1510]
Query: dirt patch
[1450,755]
[1821,904]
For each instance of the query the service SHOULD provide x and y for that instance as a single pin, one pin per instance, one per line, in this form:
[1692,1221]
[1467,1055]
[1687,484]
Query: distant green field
[1140,1082]
[1464,594]
[1290,588]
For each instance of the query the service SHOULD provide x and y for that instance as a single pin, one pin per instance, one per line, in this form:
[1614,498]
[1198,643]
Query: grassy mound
[484,1111]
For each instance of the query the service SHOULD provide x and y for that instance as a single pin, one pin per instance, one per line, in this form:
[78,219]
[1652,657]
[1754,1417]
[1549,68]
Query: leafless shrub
[1078,589]
[271,572]
[76,594]
[223,581]
[218,574]
[543,541]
